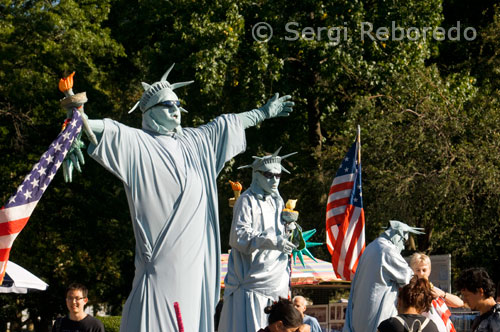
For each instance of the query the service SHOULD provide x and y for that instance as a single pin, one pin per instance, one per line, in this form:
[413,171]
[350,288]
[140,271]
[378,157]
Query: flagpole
[359,145]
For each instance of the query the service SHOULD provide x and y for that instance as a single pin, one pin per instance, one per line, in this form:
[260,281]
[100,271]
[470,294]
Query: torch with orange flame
[75,101]
[66,85]
[237,187]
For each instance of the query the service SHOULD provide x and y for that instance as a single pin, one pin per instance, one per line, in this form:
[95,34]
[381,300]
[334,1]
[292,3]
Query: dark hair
[284,311]
[416,294]
[77,286]
[475,278]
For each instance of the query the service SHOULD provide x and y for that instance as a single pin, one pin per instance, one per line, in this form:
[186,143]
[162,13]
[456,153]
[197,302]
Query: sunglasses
[169,103]
[269,175]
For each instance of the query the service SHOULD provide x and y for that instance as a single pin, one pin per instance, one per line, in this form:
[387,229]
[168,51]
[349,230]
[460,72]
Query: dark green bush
[111,323]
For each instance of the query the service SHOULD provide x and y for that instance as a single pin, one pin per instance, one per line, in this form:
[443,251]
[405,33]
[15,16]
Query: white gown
[257,273]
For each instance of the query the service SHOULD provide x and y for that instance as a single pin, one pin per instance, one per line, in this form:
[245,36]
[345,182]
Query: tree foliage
[427,110]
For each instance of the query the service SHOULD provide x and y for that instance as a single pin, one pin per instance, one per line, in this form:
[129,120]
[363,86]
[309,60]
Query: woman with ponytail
[283,317]
[439,312]
[413,299]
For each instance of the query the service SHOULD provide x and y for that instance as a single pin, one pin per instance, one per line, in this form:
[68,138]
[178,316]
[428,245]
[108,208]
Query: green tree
[66,239]
[427,109]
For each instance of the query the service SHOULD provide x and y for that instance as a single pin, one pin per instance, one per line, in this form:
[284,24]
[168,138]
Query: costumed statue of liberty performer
[257,270]
[169,174]
[380,273]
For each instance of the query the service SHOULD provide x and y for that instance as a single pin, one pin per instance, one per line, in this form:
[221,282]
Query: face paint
[168,117]
[267,173]
[269,184]
[398,233]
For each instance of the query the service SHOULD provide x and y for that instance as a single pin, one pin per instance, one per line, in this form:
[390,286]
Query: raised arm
[275,107]
[450,299]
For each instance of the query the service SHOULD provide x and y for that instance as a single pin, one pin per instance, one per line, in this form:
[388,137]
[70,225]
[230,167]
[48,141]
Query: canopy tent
[19,280]
[313,273]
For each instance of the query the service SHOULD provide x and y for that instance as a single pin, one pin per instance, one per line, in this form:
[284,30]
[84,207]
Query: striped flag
[15,214]
[442,310]
[345,218]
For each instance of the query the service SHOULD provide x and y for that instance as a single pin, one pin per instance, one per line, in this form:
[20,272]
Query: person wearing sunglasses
[258,272]
[169,174]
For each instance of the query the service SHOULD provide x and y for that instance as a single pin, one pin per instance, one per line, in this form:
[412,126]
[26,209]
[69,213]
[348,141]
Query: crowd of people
[418,301]
[417,306]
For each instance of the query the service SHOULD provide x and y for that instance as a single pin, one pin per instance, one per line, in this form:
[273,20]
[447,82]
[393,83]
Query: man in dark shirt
[477,292]
[77,320]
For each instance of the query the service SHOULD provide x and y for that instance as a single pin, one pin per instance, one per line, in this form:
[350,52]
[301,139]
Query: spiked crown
[158,92]
[271,159]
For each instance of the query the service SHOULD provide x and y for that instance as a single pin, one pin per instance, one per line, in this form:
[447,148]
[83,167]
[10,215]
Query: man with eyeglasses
[258,270]
[77,320]
[169,174]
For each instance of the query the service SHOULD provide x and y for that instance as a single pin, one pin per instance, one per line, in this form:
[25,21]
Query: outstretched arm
[276,107]
[450,299]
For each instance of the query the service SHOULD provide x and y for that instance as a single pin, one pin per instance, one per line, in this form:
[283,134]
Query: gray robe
[257,272]
[380,273]
[170,182]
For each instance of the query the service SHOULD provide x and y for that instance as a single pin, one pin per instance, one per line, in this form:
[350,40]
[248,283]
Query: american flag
[345,218]
[442,310]
[15,214]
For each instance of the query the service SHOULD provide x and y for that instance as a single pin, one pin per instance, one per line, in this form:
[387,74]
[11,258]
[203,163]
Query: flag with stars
[345,218]
[15,214]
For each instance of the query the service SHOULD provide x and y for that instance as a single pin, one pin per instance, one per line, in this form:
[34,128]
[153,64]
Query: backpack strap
[401,320]
[422,325]
[407,328]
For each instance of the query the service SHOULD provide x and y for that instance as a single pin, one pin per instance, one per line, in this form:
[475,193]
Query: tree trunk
[313,118]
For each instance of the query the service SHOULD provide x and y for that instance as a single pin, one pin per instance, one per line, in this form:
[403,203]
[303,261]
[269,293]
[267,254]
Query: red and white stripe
[443,311]
[345,225]
[12,222]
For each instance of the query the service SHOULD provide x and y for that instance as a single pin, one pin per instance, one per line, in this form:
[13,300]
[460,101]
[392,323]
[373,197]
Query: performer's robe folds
[374,289]
[257,273]
[170,182]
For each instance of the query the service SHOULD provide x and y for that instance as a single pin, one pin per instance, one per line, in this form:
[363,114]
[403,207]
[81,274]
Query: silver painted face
[167,116]
[268,177]
[399,241]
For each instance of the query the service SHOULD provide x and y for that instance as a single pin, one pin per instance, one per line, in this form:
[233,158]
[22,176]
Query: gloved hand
[74,158]
[285,246]
[278,106]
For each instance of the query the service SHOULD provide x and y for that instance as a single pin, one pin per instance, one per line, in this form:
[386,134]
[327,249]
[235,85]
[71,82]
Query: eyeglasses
[169,103]
[71,299]
[270,175]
